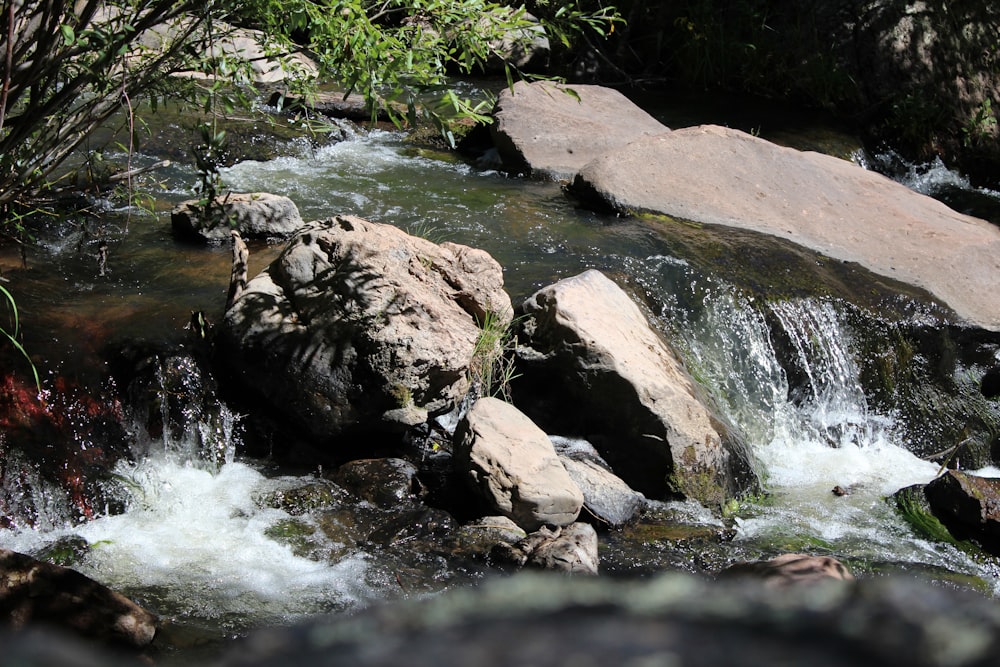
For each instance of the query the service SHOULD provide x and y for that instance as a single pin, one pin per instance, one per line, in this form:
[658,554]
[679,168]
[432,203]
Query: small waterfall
[785,374]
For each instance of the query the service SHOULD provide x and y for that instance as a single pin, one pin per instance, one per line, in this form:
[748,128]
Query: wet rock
[386,483]
[513,466]
[552,131]
[606,497]
[478,538]
[356,320]
[990,384]
[534,619]
[609,377]
[726,177]
[969,506]
[65,551]
[319,494]
[791,570]
[571,549]
[257,215]
[33,592]
[424,526]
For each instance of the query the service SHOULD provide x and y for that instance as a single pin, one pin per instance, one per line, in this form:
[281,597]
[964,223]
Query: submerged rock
[609,377]
[551,131]
[33,592]
[513,466]
[357,320]
[385,483]
[722,176]
[791,570]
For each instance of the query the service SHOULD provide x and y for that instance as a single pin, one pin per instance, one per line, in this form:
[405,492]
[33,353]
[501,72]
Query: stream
[788,346]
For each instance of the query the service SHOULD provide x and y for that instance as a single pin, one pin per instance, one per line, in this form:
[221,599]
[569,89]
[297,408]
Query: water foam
[197,539]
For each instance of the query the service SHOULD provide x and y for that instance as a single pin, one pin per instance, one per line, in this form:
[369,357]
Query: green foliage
[981,126]
[492,366]
[12,333]
[66,68]
[400,54]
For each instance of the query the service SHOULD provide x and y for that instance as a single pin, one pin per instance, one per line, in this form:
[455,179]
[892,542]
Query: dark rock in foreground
[671,620]
[33,592]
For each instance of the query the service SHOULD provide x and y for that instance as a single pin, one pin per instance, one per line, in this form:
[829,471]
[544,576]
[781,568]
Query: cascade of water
[785,374]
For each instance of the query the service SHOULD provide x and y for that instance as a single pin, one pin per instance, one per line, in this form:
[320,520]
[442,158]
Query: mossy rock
[319,494]
[66,551]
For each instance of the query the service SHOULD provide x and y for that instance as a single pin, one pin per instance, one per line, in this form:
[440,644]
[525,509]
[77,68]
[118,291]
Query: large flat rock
[551,131]
[722,176]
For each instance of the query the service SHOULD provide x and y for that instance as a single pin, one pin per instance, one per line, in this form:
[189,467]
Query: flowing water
[783,363]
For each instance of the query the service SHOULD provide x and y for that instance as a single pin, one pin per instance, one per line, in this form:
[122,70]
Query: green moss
[912,506]
[66,551]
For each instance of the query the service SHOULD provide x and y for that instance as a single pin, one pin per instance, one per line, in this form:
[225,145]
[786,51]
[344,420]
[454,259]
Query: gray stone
[606,496]
[511,464]
[356,320]
[551,131]
[721,176]
[625,390]
[257,215]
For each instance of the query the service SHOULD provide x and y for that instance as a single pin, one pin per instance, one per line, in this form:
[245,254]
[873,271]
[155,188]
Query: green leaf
[69,35]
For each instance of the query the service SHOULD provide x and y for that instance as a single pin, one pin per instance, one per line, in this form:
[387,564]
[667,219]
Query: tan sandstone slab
[722,176]
[551,131]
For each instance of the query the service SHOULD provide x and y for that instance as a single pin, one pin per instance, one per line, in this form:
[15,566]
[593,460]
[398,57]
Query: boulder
[791,570]
[969,506]
[551,131]
[33,592]
[606,497]
[256,215]
[360,326]
[511,464]
[611,379]
[721,176]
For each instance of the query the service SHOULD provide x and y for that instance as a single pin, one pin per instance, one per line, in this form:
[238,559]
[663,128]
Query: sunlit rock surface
[513,466]
[551,131]
[612,379]
[358,325]
[254,215]
[721,176]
